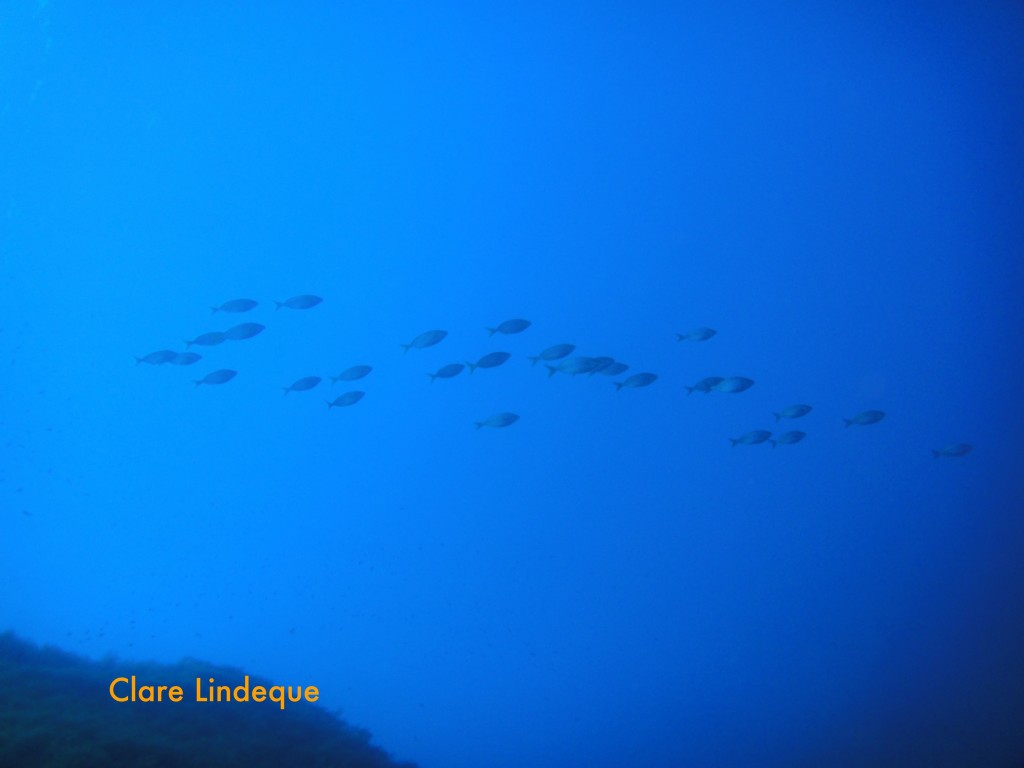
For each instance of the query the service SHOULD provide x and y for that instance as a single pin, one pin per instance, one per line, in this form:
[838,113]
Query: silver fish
[305,301]
[636,380]
[211,339]
[751,438]
[157,358]
[793,412]
[217,377]
[866,417]
[354,373]
[447,371]
[573,366]
[510,326]
[705,385]
[243,331]
[349,398]
[490,360]
[303,384]
[498,420]
[697,334]
[556,352]
[788,438]
[235,305]
[424,340]
[733,384]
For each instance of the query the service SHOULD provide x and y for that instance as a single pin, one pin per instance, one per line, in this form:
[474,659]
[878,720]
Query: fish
[697,334]
[557,352]
[424,340]
[866,417]
[733,384]
[243,331]
[498,420]
[235,305]
[186,358]
[573,366]
[305,301]
[958,449]
[705,385]
[211,339]
[447,371]
[349,398]
[601,364]
[303,384]
[613,370]
[793,412]
[217,377]
[510,326]
[157,358]
[751,438]
[490,360]
[352,374]
[636,380]
[788,438]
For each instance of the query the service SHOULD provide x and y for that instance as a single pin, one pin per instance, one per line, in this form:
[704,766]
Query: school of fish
[556,358]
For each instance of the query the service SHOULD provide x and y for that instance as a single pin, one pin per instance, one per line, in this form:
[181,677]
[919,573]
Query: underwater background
[833,188]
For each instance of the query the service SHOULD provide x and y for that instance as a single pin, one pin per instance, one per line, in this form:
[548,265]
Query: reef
[56,711]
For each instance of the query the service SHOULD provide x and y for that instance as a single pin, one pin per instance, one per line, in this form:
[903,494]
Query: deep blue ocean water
[835,188]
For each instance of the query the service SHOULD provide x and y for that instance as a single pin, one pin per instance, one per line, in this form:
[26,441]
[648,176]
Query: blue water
[606,582]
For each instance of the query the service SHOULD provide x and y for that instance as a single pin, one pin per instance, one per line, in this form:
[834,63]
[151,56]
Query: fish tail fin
[689,390]
[188,343]
[405,347]
[197,382]
[551,370]
[214,310]
[278,304]
[777,416]
[773,442]
[329,404]
[471,366]
[478,424]
[679,337]
[335,380]
[533,360]
[432,377]
[618,385]
[936,454]
[491,331]
[734,442]
[848,422]
[286,390]
[137,359]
